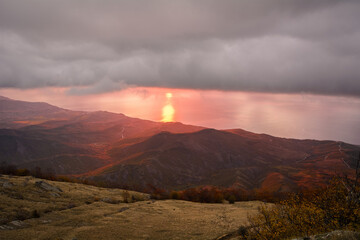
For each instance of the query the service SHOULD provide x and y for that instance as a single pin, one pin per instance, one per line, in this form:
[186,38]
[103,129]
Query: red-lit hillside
[221,158]
[114,148]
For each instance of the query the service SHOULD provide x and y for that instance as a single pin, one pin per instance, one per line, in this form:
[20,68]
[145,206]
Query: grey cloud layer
[97,46]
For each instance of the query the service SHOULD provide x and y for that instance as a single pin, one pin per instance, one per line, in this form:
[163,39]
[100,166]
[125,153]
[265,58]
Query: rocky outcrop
[48,187]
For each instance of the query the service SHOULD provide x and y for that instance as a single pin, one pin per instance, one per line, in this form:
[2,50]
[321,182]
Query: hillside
[64,141]
[222,158]
[15,114]
[124,151]
[74,211]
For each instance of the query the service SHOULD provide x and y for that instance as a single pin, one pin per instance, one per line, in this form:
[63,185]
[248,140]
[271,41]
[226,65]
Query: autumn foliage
[335,207]
[205,194]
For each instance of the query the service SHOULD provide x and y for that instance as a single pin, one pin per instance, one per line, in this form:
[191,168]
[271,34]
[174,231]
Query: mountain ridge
[115,148]
[175,159]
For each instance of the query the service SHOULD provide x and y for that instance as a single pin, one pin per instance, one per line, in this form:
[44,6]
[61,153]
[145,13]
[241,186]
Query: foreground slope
[85,212]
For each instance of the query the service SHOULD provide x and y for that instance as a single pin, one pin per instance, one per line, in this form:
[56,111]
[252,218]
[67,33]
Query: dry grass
[81,213]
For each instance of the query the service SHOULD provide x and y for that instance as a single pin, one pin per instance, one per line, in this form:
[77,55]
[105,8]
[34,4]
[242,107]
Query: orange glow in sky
[168,110]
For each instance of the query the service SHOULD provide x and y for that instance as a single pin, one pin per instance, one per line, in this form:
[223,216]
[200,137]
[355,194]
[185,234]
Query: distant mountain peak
[4,98]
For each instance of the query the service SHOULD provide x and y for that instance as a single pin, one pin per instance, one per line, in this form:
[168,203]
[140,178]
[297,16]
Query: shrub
[242,231]
[126,196]
[70,205]
[48,210]
[22,214]
[174,195]
[157,193]
[231,199]
[22,172]
[35,214]
[308,213]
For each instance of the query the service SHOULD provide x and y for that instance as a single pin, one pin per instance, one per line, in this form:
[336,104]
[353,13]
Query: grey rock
[123,209]
[8,184]
[17,223]
[48,187]
[54,194]
[25,182]
[109,200]
[6,227]
[106,199]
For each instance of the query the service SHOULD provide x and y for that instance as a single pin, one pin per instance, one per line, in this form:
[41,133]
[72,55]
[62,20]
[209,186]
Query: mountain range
[114,148]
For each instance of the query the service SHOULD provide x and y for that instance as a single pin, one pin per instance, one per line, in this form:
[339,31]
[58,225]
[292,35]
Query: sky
[91,50]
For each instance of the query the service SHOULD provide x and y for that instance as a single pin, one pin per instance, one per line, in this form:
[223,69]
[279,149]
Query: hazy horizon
[301,116]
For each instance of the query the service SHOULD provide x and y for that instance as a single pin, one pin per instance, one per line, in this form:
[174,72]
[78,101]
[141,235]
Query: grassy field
[72,211]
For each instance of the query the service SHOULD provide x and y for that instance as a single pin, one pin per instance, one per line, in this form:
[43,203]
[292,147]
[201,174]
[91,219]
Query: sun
[168,110]
[168,113]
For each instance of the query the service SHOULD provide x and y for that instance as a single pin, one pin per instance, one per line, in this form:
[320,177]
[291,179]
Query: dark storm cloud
[97,46]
